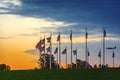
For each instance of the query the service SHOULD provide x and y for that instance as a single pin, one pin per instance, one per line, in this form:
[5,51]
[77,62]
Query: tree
[46,63]
[80,64]
[4,67]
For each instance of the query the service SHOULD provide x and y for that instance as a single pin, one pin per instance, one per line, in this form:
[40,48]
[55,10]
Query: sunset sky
[24,22]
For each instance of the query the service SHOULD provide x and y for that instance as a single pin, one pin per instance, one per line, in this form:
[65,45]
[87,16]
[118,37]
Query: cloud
[6,37]
[23,25]
[33,34]
[32,51]
[30,26]
[94,11]
[84,13]
[4,11]
[9,5]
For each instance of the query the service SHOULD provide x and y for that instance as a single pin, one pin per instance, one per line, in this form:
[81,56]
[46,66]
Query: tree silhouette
[80,64]
[46,63]
[4,67]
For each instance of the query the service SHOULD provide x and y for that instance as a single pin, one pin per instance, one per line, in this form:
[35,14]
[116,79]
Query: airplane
[111,47]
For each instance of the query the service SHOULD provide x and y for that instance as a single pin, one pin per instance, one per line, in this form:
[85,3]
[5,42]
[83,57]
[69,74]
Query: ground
[63,74]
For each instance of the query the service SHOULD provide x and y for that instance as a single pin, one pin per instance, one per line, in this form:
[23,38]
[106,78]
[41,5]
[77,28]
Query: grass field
[65,74]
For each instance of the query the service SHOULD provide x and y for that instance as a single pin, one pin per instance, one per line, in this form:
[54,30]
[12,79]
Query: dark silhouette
[95,66]
[46,64]
[100,66]
[4,67]
[80,64]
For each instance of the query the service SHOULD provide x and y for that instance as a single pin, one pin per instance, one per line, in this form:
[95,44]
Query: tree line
[4,67]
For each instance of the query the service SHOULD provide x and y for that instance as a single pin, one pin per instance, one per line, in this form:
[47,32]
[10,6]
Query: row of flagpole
[99,55]
[41,46]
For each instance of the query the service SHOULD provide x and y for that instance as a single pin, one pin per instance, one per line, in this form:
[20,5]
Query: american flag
[75,52]
[99,55]
[42,48]
[104,33]
[48,49]
[42,41]
[58,38]
[38,44]
[49,39]
[56,50]
[113,55]
[64,51]
[88,53]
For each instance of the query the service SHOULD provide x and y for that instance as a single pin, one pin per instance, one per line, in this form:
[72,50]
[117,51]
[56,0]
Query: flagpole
[100,60]
[76,57]
[40,56]
[44,54]
[59,52]
[88,56]
[100,57]
[39,59]
[50,50]
[57,56]
[71,48]
[113,61]
[113,57]
[103,46]
[86,48]
[66,57]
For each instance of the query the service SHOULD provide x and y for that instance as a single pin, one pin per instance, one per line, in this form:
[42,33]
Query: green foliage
[63,74]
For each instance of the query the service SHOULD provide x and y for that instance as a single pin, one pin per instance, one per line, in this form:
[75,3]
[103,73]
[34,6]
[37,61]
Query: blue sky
[70,14]
[90,13]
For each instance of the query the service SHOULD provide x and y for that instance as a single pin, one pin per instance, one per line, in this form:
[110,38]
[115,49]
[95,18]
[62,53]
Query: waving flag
[64,51]
[48,49]
[71,35]
[113,55]
[56,50]
[104,33]
[42,48]
[38,44]
[88,53]
[99,55]
[49,39]
[42,41]
[75,52]
[86,35]
[58,38]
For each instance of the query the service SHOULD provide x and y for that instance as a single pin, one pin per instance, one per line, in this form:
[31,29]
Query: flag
[75,52]
[43,41]
[38,44]
[48,49]
[58,38]
[71,35]
[49,39]
[42,48]
[99,55]
[56,50]
[64,51]
[86,35]
[113,55]
[88,53]
[104,33]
